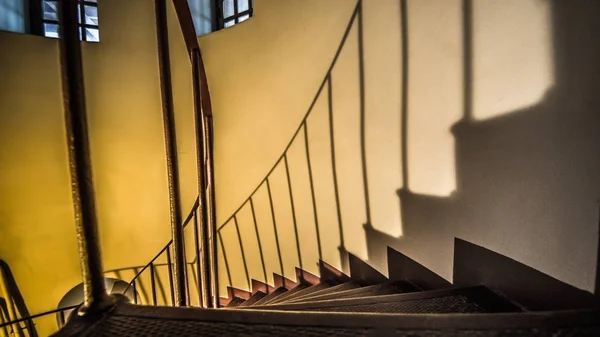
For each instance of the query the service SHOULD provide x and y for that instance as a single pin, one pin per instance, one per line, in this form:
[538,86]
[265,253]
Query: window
[233,12]
[88,27]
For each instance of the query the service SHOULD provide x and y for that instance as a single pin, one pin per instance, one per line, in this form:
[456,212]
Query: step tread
[350,285]
[274,294]
[311,289]
[131,320]
[362,271]
[373,290]
[287,294]
[235,302]
[478,299]
[253,299]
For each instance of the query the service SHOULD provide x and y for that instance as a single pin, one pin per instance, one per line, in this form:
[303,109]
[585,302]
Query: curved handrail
[49,312]
[186,22]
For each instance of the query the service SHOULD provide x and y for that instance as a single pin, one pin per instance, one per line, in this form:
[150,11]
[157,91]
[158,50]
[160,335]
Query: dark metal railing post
[203,273]
[170,271]
[198,256]
[153,283]
[82,186]
[212,211]
[239,236]
[134,287]
[171,152]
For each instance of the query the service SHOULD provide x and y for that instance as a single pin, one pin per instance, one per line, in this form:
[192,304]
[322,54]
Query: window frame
[221,19]
[82,24]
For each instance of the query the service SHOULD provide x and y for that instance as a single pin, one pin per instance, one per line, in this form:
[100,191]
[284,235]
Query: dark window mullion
[238,15]
[235,10]
[82,20]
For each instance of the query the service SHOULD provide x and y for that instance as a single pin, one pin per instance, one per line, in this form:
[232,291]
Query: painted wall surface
[502,140]
[37,233]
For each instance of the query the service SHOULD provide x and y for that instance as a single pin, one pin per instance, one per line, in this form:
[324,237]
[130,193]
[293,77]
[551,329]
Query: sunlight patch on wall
[512,55]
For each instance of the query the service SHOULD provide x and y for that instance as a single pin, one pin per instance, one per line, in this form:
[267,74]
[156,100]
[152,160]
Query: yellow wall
[37,233]
[500,180]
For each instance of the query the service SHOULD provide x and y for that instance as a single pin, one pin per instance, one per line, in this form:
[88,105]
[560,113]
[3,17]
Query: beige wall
[37,233]
[501,180]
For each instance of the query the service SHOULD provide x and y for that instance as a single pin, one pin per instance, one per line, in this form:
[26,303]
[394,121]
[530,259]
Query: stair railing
[208,263]
[14,328]
[326,88]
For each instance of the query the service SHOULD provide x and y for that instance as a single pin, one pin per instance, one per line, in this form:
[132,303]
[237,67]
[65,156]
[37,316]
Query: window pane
[244,17]
[92,34]
[50,10]
[50,30]
[229,23]
[227,8]
[243,5]
[91,15]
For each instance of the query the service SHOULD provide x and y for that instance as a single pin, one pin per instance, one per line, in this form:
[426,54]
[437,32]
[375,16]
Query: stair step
[362,271]
[478,299]
[236,292]
[329,272]
[287,294]
[255,298]
[331,290]
[275,293]
[305,277]
[374,290]
[402,267]
[132,320]
[261,286]
[311,289]
[235,302]
[280,281]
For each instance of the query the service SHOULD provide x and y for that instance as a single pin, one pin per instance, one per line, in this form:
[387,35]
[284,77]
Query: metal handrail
[204,142]
[45,313]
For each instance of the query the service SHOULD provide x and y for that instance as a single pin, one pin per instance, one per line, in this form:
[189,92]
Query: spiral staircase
[411,301]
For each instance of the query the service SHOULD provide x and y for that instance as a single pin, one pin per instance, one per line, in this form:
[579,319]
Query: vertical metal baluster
[170,271]
[275,227]
[185,275]
[198,256]
[312,190]
[237,229]
[166,90]
[225,259]
[95,297]
[289,181]
[135,301]
[204,272]
[260,250]
[153,283]
[212,211]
